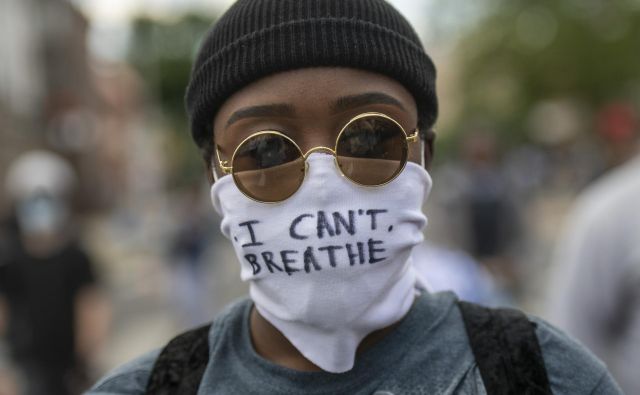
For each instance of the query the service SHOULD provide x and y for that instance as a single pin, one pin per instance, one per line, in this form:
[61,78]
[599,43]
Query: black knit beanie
[256,38]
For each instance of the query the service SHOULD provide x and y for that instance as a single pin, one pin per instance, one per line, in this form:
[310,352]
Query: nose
[316,134]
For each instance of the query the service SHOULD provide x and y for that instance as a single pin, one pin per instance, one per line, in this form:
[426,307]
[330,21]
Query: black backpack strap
[506,349]
[181,364]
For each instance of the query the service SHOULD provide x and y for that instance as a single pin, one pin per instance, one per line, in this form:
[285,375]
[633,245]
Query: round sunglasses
[269,167]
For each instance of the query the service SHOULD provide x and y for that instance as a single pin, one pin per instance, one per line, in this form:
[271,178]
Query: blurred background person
[491,219]
[48,287]
[596,285]
[477,215]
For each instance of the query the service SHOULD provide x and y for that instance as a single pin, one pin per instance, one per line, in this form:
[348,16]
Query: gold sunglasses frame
[409,138]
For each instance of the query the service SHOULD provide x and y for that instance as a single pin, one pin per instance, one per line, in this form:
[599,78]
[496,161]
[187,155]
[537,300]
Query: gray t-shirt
[427,353]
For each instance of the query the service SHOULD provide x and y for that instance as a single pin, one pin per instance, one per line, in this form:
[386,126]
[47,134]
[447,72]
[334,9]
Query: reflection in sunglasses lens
[371,150]
[268,167]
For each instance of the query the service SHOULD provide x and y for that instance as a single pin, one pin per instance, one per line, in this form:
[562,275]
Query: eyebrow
[349,102]
[267,110]
[287,110]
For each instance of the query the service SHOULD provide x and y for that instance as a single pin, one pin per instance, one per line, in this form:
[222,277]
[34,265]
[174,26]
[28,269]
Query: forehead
[313,92]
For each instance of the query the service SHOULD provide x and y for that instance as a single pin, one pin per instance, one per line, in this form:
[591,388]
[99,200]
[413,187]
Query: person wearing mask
[315,120]
[50,301]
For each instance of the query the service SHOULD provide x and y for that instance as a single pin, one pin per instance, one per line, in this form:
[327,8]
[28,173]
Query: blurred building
[53,95]
[20,71]
[44,76]
[21,75]
[45,69]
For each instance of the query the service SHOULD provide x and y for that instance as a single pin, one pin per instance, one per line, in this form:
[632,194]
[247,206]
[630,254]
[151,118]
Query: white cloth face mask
[329,265]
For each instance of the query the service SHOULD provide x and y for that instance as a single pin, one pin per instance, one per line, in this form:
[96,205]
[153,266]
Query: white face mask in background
[41,214]
[330,264]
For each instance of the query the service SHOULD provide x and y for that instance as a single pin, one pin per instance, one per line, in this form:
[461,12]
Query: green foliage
[526,52]
[163,52]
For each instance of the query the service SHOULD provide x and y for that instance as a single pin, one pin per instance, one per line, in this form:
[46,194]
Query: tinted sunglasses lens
[372,150]
[268,167]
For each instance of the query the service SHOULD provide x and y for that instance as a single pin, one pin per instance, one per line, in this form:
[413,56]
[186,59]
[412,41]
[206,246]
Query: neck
[43,245]
[272,345]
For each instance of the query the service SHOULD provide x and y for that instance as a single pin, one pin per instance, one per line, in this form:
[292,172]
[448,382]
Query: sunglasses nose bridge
[319,149]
